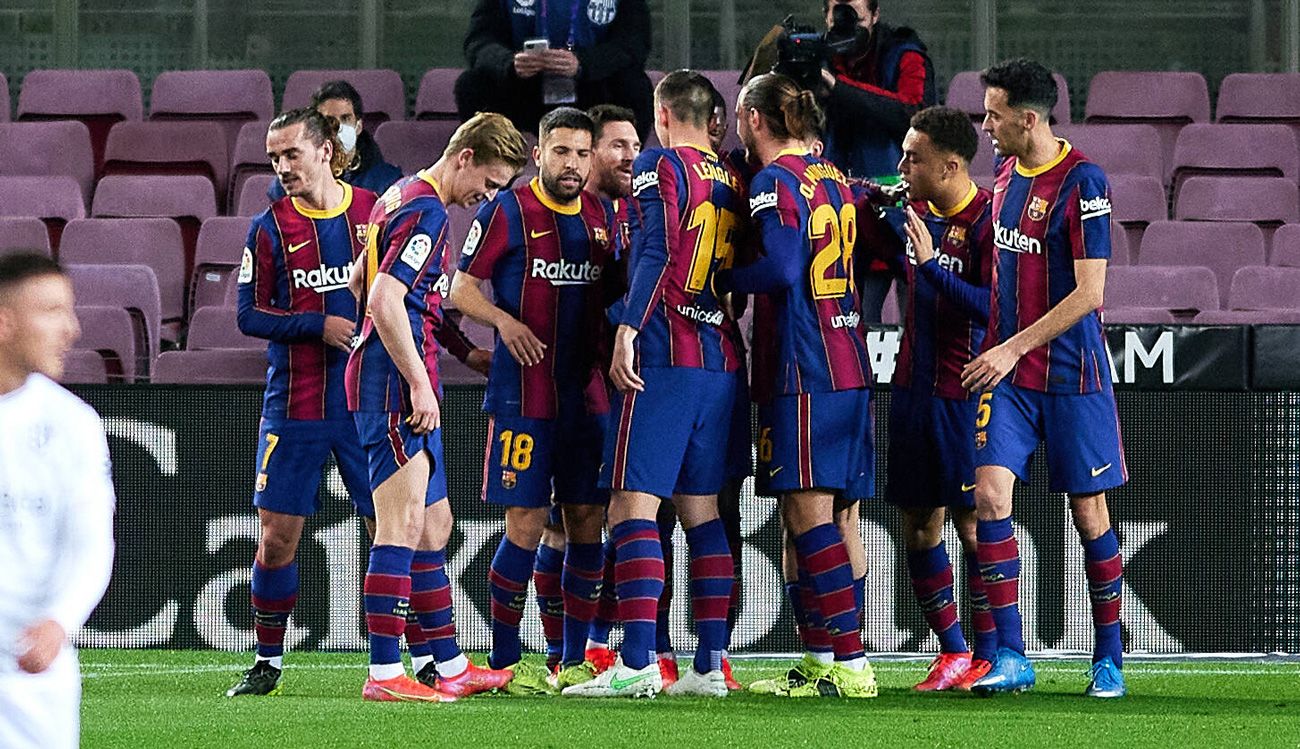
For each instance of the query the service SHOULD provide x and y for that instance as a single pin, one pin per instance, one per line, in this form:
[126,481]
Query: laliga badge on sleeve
[417,251]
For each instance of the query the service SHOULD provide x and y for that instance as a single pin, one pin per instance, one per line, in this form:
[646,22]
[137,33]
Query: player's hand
[39,644]
[520,342]
[622,371]
[561,62]
[425,414]
[529,64]
[988,369]
[918,235]
[479,360]
[338,332]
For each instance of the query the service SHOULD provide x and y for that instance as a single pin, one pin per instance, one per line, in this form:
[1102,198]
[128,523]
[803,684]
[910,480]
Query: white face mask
[348,138]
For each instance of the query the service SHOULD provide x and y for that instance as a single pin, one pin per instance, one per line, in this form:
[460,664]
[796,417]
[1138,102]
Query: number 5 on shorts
[984,411]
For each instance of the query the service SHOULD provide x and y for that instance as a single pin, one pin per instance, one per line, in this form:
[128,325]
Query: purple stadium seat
[1260,98]
[252,196]
[1138,200]
[1119,149]
[248,158]
[41,149]
[1172,288]
[1265,201]
[1138,316]
[981,169]
[1221,247]
[1263,287]
[1248,317]
[4,89]
[889,310]
[452,372]
[216,258]
[130,287]
[1120,249]
[1167,100]
[168,148]
[153,242]
[231,299]
[110,332]
[965,92]
[188,201]
[21,234]
[436,98]
[1286,247]
[458,220]
[1235,151]
[226,97]
[97,98]
[411,146]
[84,367]
[211,367]
[382,92]
[53,200]
[217,328]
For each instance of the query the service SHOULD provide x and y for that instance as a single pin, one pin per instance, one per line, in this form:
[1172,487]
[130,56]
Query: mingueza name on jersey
[323,278]
[707,317]
[643,181]
[850,320]
[761,201]
[565,273]
[1012,240]
[1093,207]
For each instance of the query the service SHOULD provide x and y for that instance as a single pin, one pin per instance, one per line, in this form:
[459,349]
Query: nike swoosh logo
[295,247]
[968,487]
[774,471]
[536,234]
[617,683]
[1099,471]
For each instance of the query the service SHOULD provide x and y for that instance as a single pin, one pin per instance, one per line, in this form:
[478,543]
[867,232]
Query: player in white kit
[56,509]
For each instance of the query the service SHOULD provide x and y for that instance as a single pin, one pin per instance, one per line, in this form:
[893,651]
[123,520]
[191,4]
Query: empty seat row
[1135,294]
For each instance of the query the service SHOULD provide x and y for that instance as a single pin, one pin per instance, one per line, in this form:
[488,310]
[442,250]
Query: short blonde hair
[492,137]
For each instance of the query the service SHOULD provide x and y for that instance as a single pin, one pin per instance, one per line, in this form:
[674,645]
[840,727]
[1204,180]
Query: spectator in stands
[595,54]
[366,167]
[871,94]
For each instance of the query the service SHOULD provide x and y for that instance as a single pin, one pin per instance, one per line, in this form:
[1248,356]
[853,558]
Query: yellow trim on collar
[572,208]
[437,188]
[970,195]
[337,210]
[1065,151]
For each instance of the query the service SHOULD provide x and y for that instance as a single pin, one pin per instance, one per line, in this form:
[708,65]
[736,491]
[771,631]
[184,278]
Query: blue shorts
[291,455]
[672,437]
[817,441]
[389,443]
[740,442]
[931,455]
[529,461]
[1081,432]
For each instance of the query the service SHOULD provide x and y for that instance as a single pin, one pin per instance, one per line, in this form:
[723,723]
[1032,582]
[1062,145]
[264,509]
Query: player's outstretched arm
[387,307]
[467,294]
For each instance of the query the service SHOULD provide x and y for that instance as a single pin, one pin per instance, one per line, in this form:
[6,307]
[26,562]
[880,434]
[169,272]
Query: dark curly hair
[949,130]
[1028,83]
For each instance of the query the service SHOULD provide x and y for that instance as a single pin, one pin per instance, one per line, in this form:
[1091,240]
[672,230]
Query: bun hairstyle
[318,128]
[791,113]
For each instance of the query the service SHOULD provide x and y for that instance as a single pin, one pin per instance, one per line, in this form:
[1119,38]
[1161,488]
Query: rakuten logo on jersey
[1093,207]
[322,279]
[950,263]
[565,273]
[1012,240]
[707,317]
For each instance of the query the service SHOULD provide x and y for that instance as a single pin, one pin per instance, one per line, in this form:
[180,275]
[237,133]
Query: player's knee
[524,525]
[277,549]
[1091,516]
[922,529]
[965,522]
[583,523]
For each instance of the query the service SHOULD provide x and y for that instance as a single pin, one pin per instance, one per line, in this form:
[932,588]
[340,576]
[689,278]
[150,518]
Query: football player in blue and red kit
[544,247]
[1044,375]
[674,364]
[392,389]
[293,292]
[803,213]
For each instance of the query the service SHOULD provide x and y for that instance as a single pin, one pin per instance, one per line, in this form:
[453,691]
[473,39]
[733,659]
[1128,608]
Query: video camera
[802,52]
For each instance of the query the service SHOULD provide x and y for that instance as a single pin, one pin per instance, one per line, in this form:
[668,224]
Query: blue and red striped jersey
[804,216]
[948,305]
[408,240]
[1044,219]
[545,261]
[294,272]
[683,216]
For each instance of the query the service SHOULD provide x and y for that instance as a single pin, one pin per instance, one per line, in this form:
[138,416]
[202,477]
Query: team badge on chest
[1037,208]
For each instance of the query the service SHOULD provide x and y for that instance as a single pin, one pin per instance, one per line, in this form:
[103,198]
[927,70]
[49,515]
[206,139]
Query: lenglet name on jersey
[707,171]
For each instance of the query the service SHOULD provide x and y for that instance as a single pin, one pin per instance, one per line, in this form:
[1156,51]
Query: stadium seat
[169,148]
[41,149]
[965,92]
[1260,98]
[1119,149]
[382,92]
[4,89]
[1138,200]
[889,313]
[130,287]
[217,328]
[1286,247]
[1235,151]
[110,332]
[981,169]
[84,367]
[1221,247]
[211,367]
[411,146]
[53,200]
[1120,248]
[152,242]
[97,98]
[22,234]
[1166,100]
[187,200]
[1138,316]
[436,98]
[248,158]
[458,220]
[216,258]
[1172,288]
[1267,202]
[1263,287]
[226,97]
[1248,317]
[252,196]
[231,299]
[452,372]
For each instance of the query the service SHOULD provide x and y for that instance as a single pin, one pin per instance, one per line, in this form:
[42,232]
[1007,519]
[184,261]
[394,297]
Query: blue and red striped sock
[550,600]
[1105,570]
[711,581]
[508,581]
[932,582]
[985,633]
[999,557]
[607,607]
[431,600]
[417,644]
[639,576]
[581,588]
[387,600]
[275,592]
[813,634]
[827,564]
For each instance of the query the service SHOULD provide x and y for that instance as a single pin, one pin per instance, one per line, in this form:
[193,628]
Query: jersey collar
[702,149]
[337,210]
[572,208]
[1065,151]
[961,206]
[437,188]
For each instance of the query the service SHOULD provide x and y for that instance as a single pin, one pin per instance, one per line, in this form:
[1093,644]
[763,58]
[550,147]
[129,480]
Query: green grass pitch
[148,698]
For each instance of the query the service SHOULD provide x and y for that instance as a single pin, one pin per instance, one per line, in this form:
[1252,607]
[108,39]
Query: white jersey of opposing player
[56,549]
